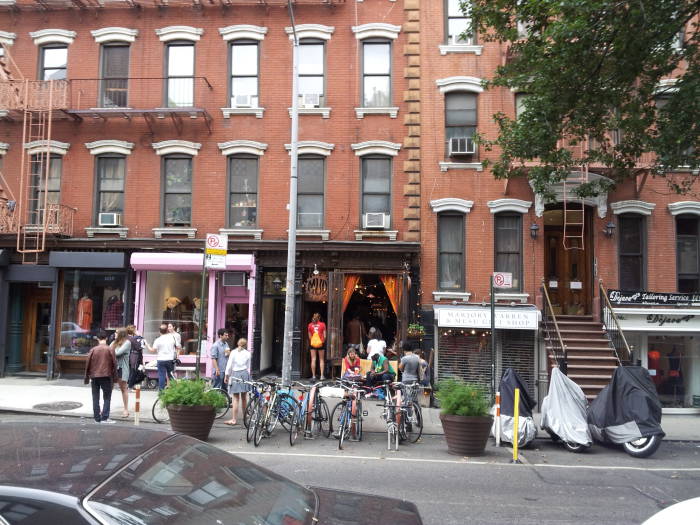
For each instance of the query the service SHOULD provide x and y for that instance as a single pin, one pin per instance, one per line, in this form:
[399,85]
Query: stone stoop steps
[591,359]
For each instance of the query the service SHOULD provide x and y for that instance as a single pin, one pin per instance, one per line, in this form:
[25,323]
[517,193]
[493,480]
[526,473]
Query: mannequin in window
[197,313]
[172,309]
[85,312]
[113,316]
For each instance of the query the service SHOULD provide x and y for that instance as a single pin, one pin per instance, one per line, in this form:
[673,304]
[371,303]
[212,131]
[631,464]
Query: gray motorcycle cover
[626,409]
[563,412]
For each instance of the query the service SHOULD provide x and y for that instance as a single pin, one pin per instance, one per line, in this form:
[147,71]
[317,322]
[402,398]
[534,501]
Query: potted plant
[464,416]
[415,330]
[191,406]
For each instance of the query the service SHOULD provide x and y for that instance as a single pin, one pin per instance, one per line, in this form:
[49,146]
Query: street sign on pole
[215,251]
[503,279]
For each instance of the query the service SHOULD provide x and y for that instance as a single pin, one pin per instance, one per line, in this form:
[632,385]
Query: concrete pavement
[70,397]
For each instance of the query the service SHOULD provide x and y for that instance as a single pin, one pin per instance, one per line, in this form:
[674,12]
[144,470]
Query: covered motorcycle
[527,430]
[563,413]
[628,412]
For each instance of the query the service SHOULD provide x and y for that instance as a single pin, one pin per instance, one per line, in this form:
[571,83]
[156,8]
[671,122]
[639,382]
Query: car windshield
[184,481]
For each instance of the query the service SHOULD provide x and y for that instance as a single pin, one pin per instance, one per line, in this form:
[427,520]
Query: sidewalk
[70,397]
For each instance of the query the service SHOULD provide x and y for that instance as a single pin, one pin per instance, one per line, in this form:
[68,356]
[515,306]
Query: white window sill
[460,48]
[387,234]
[478,166]
[324,112]
[258,112]
[242,232]
[174,230]
[323,234]
[91,231]
[3,113]
[460,296]
[391,111]
[512,297]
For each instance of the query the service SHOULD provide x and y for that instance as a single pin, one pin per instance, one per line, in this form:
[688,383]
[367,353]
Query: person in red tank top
[317,342]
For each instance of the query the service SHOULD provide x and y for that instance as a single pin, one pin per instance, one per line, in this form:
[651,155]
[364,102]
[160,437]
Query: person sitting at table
[380,371]
[352,365]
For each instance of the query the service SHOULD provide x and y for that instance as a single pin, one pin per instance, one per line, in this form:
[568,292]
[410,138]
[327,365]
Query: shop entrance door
[278,335]
[568,272]
[36,343]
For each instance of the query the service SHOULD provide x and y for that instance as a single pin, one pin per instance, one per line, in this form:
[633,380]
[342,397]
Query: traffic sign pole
[493,341]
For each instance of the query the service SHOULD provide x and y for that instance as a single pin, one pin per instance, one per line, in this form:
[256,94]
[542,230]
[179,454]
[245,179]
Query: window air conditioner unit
[234,279]
[311,100]
[462,146]
[110,219]
[243,101]
[375,221]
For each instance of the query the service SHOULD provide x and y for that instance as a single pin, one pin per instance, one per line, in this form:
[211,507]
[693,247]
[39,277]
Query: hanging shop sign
[480,317]
[653,298]
[658,320]
[316,288]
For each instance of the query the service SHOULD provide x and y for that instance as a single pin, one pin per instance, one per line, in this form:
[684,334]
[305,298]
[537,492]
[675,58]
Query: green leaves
[191,392]
[459,398]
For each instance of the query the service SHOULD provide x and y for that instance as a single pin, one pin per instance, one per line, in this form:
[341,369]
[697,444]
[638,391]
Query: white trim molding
[39,146]
[640,207]
[7,38]
[515,205]
[451,204]
[53,36]
[122,232]
[233,147]
[679,208]
[376,147]
[376,30]
[4,146]
[242,232]
[666,85]
[323,234]
[324,112]
[311,31]
[311,147]
[600,201]
[166,147]
[360,235]
[512,297]
[460,48]
[115,34]
[444,166]
[228,112]
[109,146]
[461,296]
[174,230]
[461,83]
[391,111]
[241,31]
[167,34]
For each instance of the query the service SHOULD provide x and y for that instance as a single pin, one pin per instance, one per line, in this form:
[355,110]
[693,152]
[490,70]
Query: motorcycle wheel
[642,447]
[574,447]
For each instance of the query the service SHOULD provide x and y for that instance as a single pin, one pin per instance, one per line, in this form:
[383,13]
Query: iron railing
[8,216]
[616,337]
[552,333]
[34,95]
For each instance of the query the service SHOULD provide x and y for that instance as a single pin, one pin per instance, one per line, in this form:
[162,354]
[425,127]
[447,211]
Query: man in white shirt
[177,336]
[165,347]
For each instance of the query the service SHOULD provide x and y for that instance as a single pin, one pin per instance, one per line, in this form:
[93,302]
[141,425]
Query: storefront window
[92,300]
[174,297]
[674,366]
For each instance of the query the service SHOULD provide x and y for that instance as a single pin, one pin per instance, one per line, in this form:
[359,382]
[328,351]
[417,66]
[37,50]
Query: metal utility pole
[292,242]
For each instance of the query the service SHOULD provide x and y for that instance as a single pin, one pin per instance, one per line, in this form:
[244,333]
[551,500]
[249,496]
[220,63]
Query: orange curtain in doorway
[393,290]
[349,289]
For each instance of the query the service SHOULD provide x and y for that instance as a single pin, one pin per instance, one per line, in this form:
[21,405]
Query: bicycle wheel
[159,412]
[413,422]
[334,421]
[285,409]
[396,440]
[322,418]
[389,435]
[356,421]
[272,415]
[344,426]
[221,412]
[295,425]
[249,408]
[261,425]
[253,420]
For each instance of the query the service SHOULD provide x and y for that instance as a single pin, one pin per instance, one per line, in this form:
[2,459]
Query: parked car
[86,473]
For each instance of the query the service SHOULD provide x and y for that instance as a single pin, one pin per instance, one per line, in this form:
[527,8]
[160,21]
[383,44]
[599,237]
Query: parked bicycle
[311,415]
[274,406]
[348,413]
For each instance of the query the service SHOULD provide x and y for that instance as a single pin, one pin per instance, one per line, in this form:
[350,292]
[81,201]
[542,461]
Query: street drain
[58,406]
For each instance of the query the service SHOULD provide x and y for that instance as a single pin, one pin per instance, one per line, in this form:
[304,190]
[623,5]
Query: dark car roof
[70,458]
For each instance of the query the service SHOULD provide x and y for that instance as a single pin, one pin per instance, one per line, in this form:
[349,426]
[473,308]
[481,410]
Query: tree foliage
[605,79]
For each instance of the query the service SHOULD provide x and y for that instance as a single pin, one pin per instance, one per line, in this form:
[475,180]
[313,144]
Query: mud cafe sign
[657,320]
[479,317]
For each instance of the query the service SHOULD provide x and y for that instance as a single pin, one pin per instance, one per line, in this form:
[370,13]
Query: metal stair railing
[616,337]
[552,333]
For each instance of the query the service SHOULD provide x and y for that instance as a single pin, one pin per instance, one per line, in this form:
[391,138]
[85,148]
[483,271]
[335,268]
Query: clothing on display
[85,313]
[113,316]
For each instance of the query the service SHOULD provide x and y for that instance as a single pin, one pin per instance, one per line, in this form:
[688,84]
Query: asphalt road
[551,486]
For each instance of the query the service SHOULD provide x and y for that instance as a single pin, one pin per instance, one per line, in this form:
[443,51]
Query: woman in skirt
[237,368]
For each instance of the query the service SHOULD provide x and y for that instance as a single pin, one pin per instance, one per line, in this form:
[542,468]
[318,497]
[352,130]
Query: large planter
[192,420]
[466,435]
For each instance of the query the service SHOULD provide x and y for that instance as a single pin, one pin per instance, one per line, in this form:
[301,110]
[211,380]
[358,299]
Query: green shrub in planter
[464,416]
[191,392]
[459,398]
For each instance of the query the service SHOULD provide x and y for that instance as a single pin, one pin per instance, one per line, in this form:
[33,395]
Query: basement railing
[552,333]
[616,337]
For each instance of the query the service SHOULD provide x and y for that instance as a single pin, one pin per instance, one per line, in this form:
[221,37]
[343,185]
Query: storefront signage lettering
[316,288]
[653,298]
[664,319]
[657,321]
[512,319]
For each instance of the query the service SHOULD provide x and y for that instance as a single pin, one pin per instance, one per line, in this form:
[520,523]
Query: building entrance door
[37,321]
[568,272]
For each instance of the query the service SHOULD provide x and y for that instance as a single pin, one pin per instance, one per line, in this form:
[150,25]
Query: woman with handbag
[122,349]
[317,341]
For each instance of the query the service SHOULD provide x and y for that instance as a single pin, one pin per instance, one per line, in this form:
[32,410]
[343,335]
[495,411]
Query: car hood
[339,507]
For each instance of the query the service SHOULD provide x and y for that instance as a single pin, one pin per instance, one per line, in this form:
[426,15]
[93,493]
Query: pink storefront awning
[186,261]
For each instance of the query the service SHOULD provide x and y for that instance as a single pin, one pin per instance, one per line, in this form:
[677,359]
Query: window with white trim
[310,192]
[243,191]
[376,184]
[456,24]
[244,73]
[451,251]
[376,73]
[632,253]
[179,58]
[508,246]
[311,72]
[177,190]
[688,253]
[111,171]
[41,196]
[115,76]
[53,62]
[460,123]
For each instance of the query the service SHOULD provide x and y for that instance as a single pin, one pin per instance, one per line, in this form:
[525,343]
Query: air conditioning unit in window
[109,219]
[462,146]
[375,221]
[310,100]
[234,279]
[243,101]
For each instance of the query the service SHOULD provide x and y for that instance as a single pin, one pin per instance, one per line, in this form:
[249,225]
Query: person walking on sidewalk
[238,368]
[164,345]
[122,349]
[219,357]
[101,368]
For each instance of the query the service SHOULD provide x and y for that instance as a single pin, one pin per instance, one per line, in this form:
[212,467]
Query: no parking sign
[503,279]
[215,251]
